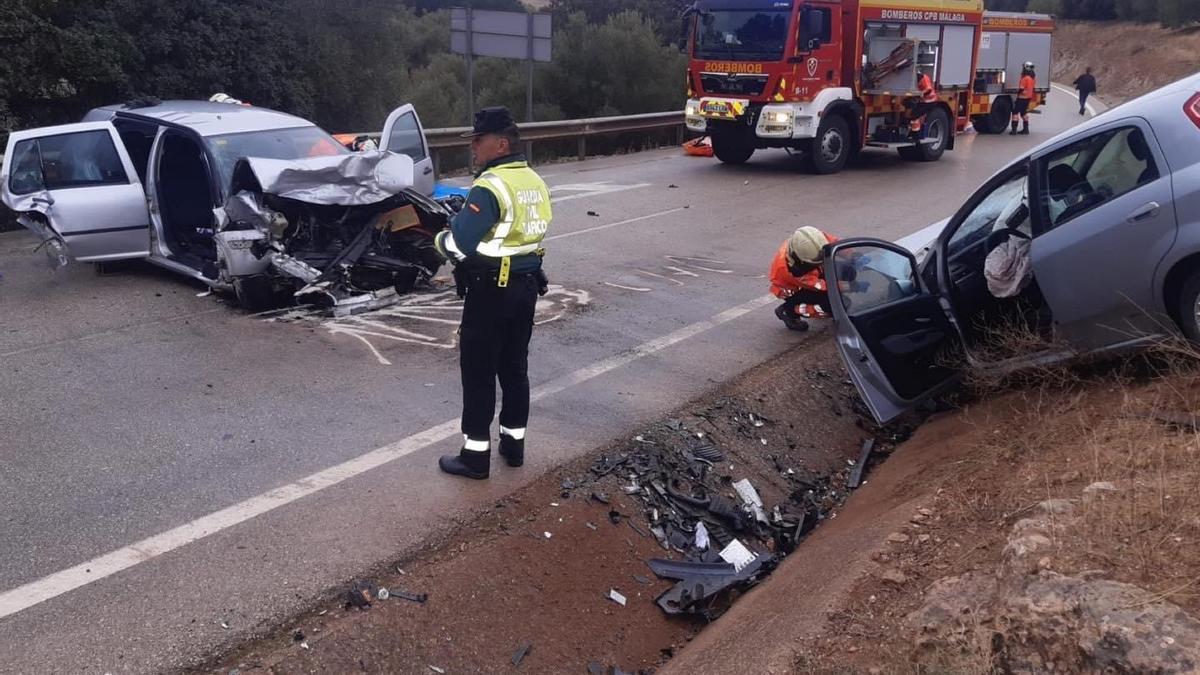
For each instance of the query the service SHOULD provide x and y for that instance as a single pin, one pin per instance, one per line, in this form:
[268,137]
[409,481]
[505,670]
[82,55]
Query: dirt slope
[1049,529]
[1128,59]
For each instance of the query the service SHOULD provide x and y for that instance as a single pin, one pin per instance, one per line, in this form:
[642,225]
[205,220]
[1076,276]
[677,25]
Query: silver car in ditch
[1102,224]
[241,198]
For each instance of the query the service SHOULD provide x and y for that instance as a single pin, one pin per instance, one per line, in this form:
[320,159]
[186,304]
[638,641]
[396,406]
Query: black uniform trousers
[494,344]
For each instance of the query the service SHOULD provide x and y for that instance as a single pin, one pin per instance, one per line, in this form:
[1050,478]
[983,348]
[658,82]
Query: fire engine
[830,77]
[1009,41]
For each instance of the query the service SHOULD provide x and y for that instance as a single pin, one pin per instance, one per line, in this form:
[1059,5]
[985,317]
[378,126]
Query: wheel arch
[852,112]
[1173,285]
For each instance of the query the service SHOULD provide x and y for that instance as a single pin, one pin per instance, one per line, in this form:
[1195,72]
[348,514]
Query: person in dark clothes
[1086,85]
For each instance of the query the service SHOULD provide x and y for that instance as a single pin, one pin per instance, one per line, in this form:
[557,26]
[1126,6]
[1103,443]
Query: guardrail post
[582,148]
[529,150]
[680,135]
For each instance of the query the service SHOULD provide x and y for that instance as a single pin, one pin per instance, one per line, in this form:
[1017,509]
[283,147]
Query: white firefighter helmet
[804,246]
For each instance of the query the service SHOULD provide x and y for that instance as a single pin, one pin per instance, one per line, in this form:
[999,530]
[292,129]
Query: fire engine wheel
[1000,115]
[731,149]
[937,132]
[830,147]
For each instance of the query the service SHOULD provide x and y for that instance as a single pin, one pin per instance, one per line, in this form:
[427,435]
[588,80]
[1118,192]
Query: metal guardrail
[562,130]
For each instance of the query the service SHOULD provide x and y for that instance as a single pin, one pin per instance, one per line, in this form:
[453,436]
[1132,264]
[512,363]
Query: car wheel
[830,147]
[254,293]
[731,148]
[1189,307]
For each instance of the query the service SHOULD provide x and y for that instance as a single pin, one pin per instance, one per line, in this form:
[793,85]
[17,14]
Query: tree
[665,15]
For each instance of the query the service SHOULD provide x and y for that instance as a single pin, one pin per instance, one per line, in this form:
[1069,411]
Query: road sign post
[506,35]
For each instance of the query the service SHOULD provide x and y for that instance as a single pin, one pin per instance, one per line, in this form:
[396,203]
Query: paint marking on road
[616,224]
[627,288]
[83,574]
[1090,108]
[590,190]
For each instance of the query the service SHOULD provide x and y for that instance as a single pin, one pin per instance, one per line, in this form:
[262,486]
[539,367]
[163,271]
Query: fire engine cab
[830,77]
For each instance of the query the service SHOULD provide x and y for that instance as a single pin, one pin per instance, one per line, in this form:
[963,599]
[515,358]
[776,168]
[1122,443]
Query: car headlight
[779,117]
[692,110]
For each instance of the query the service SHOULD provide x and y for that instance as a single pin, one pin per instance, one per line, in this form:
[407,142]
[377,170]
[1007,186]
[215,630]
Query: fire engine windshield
[742,35]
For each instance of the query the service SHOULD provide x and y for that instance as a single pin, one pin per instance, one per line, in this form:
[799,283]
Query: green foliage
[344,65]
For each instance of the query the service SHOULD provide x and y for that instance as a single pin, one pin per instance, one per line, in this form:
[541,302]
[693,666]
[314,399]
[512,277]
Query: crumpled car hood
[357,179]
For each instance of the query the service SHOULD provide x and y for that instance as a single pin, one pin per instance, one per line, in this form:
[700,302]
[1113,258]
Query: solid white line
[85,573]
[627,288]
[616,224]
[1071,92]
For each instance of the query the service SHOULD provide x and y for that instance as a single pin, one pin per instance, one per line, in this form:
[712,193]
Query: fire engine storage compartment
[1004,48]
[944,51]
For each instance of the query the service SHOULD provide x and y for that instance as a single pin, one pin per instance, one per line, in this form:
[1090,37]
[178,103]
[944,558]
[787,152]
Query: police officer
[495,244]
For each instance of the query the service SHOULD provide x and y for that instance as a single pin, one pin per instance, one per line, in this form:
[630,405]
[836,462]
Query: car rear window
[64,161]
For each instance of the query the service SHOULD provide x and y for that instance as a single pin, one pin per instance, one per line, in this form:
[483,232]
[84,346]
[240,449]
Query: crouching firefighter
[495,244]
[798,278]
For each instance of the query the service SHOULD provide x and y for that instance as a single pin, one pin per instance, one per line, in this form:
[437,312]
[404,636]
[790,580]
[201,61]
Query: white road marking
[627,288]
[428,319]
[590,190]
[691,262]
[660,276]
[616,224]
[1091,110]
[680,272]
[91,571]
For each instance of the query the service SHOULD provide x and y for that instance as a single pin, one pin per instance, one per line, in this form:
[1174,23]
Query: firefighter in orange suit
[798,279]
[929,99]
[1024,99]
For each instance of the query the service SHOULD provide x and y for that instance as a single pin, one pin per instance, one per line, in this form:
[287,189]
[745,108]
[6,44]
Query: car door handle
[428,170]
[1147,211]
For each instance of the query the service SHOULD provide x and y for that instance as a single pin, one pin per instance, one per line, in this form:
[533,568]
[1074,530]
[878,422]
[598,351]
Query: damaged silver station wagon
[244,199]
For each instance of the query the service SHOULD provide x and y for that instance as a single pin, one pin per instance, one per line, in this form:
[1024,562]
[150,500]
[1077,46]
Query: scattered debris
[304,645]
[595,668]
[361,594]
[418,598]
[856,476]
[547,535]
[701,536]
[519,655]
[591,525]
[298,636]
[616,597]
[601,498]
[672,186]
[383,594]
[645,581]
[614,517]
[225,625]
[440,671]
[593,214]
[897,538]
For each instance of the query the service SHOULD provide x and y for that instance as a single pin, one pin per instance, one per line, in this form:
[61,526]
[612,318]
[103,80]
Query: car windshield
[742,35]
[294,143]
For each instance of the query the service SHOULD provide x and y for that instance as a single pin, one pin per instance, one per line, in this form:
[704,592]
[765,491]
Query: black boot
[512,450]
[1025,130]
[469,463]
[789,318]
[1014,130]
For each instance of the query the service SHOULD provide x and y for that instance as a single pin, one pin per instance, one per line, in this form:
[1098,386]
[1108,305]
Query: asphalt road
[171,464]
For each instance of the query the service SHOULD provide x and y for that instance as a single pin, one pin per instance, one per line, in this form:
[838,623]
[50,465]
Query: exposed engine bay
[345,232]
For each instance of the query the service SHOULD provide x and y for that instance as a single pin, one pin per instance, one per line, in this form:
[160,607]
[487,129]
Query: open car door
[403,134]
[75,186]
[893,334]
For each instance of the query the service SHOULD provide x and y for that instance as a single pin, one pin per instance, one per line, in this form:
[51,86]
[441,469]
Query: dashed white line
[616,224]
[65,581]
